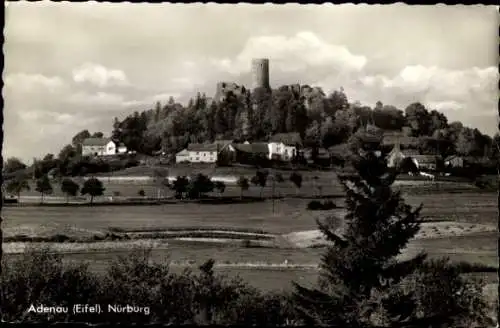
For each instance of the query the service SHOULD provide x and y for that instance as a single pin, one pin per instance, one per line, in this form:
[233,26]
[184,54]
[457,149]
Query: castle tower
[260,73]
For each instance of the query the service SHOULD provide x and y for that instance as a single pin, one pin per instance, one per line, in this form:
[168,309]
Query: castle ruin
[260,73]
[260,79]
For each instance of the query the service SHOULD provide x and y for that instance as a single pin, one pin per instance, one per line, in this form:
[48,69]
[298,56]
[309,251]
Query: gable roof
[395,138]
[425,158]
[96,141]
[222,142]
[289,139]
[255,148]
[211,147]
[183,152]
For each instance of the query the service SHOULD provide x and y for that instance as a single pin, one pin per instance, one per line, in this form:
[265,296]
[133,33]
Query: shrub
[314,205]
[40,277]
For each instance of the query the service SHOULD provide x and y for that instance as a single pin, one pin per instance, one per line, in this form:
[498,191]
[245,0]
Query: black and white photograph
[250,164]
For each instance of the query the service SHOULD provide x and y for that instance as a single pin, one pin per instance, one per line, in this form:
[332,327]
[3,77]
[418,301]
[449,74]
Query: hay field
[460,242]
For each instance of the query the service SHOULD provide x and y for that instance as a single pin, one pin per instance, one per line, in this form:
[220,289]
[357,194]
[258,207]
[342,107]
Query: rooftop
[96,141]
[290,139]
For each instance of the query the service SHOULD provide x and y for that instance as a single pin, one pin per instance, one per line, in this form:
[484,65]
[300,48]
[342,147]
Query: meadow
[259,265]
[228,232]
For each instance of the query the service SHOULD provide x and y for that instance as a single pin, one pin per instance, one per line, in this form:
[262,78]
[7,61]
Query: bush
[41,277]
[439,290]
[486,183]
[316,205]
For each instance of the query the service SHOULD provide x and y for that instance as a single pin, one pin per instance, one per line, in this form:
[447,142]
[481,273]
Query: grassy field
[243,261]
[290,215]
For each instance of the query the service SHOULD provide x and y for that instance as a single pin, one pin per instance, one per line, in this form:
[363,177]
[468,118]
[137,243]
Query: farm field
[265,268]
[290,216]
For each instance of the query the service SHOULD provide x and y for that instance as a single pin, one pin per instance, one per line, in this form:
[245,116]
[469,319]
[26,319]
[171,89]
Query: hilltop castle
[260,79]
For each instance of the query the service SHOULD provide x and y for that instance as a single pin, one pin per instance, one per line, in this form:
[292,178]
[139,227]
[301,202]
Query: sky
[75,66]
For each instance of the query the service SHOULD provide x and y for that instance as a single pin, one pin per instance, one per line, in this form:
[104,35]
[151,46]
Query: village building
[252,153]
[182,156]
[98,147]
[425,162]
[206,153]
[284,146]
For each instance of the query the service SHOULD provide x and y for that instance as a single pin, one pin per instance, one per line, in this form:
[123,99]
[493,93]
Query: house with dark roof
[289,139]
[252,153]
[426,162]
[203,152]
[98,147]
[284,146]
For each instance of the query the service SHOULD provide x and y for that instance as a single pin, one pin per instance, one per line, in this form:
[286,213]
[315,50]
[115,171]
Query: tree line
[321,120]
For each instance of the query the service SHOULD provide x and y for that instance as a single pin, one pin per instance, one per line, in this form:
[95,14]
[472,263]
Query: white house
[98,147]
[205,153]
[284,146]
[182,156]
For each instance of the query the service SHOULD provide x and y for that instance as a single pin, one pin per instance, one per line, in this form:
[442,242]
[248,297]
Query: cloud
[22,82]
[472,89]
[99,75]
[304,50]
[98,98]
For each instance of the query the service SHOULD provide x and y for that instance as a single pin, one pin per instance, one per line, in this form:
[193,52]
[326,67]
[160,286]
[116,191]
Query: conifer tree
[364,284]
[359,269]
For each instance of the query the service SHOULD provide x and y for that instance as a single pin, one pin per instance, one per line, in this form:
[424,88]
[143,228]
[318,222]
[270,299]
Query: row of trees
[199,185]
[194,188]
[92,187]
[321,120]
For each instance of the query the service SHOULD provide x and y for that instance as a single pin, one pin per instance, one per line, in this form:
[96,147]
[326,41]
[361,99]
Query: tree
[362,284]
[70,188]
[13,164]
[260,179]
[199,185]
[65,157]
[17,185]
[92,187]
[419,119]
[43,186]
[220,186]
[98,135]
[77,140]
[180,186]
[296,179]
[243,184]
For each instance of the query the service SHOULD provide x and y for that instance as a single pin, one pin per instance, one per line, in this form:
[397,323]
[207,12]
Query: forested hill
[322,120]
